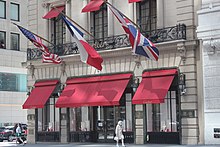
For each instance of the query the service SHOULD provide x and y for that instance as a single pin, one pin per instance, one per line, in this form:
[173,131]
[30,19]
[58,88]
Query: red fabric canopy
[154,86]
[93,5]
[94,91]
[40,94]
[54,12]
[132,1]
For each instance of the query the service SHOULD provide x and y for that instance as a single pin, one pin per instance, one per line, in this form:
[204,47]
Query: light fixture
[29,90]
[135,83]
[182,83]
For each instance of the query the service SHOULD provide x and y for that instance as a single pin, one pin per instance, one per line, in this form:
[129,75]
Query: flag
[93,5]
[132,1]
[87,53]
[49,58]
[140,44]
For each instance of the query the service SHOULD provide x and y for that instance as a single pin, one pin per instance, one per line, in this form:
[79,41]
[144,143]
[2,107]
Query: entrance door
[105,124]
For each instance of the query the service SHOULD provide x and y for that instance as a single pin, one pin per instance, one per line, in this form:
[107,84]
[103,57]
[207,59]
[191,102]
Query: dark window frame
[54,34]
[12,3]
[18,41]
[102,10]
[4,39]
[152,19]
[4,17]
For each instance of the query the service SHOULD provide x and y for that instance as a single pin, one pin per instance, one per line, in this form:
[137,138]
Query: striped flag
[87,53]
[46,55]
[132,1]
[140,44]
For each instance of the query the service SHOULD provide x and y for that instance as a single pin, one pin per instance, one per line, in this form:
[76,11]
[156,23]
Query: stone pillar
[160,13]
[63,126]
[31,117]
[139,124]
[110,21]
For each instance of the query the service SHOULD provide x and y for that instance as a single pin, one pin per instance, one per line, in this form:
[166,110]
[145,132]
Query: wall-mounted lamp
[182,83]
[61,87]
[135,83]
[29,90]
[212,46]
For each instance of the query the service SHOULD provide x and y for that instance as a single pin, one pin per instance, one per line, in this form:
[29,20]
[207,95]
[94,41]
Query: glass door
[105,124]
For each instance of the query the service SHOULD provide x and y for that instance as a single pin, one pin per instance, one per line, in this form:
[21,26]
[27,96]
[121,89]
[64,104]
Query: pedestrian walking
[118,134]
[18,134]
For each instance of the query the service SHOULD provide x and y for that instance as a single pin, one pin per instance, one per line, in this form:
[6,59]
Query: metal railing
[160,35]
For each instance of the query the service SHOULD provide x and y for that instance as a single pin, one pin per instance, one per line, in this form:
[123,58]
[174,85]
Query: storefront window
[48,117]
[163,117]
[75,119]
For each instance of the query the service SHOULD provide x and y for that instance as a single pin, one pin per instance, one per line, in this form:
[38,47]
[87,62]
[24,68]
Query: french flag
[87,53]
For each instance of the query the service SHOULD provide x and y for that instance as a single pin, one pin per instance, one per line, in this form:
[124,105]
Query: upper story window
[14,11]
[13,82]
[147,15]
[15,39]
[58,30]
[100,22]
[2,9]
[2,40]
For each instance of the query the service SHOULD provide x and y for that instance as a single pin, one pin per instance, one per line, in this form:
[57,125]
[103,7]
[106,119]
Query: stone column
[31,117]
[160,13]
[139,124]
[110,21]
[63,126]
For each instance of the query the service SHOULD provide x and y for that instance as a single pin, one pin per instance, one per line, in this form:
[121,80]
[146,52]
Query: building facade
[13,77]
[158,101]
[208,31]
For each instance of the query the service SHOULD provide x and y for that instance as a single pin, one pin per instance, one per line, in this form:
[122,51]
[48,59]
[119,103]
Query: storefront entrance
[105,123]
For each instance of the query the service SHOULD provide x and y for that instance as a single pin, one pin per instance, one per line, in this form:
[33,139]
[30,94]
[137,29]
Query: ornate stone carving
[181,48]
[63,67]
[31,69]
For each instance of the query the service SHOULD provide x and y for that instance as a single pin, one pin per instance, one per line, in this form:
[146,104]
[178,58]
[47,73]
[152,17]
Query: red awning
[154,86]
[40,94]
[132,1]
[54,12]
[94,91]
[93,5]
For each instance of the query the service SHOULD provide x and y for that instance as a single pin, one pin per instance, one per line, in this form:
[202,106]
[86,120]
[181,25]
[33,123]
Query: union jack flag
[37,41]
[140,44]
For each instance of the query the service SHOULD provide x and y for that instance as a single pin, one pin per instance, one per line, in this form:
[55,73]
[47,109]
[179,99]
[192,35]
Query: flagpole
[123,14]
[34,34]
[75,22]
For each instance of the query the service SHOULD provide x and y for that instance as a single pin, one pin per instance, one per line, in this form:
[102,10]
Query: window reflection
[2,9]
[163,117]
[14,41]
[13,82]
[48,117]
[14,11]
[2,40]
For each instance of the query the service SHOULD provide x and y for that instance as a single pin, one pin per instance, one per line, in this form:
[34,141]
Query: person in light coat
[118,134]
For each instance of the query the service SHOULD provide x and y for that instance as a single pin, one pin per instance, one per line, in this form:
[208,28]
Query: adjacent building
[209,32]
[158,101]
[13,77]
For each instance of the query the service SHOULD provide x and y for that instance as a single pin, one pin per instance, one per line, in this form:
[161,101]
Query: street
[4,144]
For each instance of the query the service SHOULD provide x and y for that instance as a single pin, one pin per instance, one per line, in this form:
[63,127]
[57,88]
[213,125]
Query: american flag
[140,44]
[37,41]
